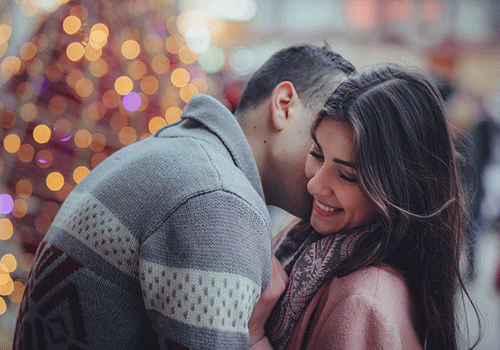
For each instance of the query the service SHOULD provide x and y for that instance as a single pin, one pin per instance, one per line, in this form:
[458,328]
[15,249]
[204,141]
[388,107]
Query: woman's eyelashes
[347,178]
[317,155]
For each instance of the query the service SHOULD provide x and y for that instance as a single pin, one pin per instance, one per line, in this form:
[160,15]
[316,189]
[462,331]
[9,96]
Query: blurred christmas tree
[94,77]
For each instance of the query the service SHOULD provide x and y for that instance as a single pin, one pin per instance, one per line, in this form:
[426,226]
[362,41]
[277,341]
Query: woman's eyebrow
[343,162]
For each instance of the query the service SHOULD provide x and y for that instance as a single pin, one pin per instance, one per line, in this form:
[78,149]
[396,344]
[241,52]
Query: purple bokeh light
[158,28]
[132,101]
[66,138]
[6,203]
[40,85]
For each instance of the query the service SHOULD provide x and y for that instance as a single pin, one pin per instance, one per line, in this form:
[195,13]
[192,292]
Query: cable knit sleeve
[360,322]
[203,269]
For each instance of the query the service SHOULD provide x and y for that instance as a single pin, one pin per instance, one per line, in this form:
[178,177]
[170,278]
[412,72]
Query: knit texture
[166,244]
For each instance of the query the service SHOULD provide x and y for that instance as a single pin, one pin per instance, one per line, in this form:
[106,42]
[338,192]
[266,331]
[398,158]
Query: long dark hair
[407,165]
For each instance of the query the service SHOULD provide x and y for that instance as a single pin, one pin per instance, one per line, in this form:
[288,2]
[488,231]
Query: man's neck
[254,124]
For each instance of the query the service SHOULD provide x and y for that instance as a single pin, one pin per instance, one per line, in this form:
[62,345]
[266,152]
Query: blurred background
[80,79]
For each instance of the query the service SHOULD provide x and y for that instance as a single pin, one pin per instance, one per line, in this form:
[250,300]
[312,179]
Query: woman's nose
[318,184]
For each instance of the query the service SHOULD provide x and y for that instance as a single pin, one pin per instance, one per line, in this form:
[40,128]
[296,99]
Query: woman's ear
[281,100]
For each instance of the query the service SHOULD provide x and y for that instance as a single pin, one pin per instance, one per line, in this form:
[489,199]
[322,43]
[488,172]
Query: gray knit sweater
[165,244]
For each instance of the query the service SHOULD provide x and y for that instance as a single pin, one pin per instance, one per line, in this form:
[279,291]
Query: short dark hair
[309,68]
[407,165]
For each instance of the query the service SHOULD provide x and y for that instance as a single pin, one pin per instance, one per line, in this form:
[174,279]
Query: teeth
[325,208]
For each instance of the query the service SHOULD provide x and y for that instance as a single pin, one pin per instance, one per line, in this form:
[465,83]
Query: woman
[378,266]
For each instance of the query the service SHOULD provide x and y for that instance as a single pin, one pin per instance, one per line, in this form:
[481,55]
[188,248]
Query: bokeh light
[98,68]
[241,60]
[79,173]
[130,49]
[111,99]
[28,51]
[127,135]
[173,114]
[57,105]
[83,138]
[75,51]
[44,158]
[20,208]
[212,60]
[6,285]
[361,14]
[137,70]
[28,112]
[198,38]
[160,64]
[40,85]
[123,85]
[98,37]
[63,129]
[41,133]
[132,101]
[84,87]
[10,65]
[180,77]
[6,203]
[72,24]
[188,91]
[174,43]
[5,33]
[92,54]
[156,123]
[6,229]
[9,262]
[74,77]
[3,306]
[55,181]
[17,293]
[24,188]
[26,153]
[11,143]
[149,84]
[98,142]
[187,56]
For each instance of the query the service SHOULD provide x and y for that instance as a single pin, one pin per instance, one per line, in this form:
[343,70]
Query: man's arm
[203,269]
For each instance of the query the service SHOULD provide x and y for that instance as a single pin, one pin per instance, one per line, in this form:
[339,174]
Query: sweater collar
[219,120]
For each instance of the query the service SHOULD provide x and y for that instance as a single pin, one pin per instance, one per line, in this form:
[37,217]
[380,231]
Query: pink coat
[368,309]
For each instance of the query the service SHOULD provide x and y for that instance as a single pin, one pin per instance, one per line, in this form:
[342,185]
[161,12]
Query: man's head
[276,111]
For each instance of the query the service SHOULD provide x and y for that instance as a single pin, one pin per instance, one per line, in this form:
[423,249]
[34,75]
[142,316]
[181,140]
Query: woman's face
[338,202]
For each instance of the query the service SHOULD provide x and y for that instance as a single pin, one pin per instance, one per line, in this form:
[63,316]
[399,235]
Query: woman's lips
[325,210]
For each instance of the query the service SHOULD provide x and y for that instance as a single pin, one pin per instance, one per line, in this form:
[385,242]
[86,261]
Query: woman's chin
[322,230]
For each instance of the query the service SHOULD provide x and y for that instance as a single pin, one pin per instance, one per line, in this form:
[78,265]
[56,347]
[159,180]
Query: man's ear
[282,99]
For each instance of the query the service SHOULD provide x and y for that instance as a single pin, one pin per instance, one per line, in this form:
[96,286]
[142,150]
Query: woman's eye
[347,178]
[317,155]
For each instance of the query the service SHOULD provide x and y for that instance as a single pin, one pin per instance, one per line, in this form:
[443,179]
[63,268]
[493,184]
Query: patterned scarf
[316,260]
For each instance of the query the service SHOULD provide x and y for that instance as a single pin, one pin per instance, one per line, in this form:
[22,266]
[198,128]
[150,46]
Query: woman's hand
[267,301]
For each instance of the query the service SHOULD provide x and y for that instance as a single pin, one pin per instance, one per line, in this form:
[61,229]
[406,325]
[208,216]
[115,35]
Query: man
[166,244]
